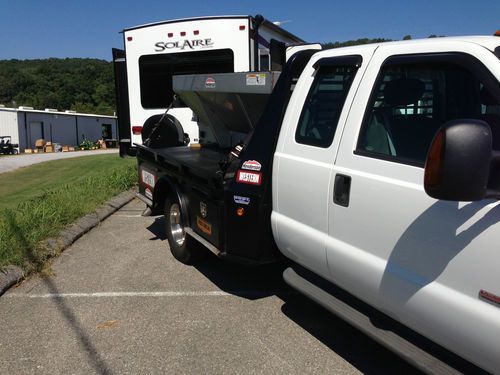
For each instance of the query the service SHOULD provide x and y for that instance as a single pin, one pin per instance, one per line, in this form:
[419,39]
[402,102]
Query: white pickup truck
[378,176]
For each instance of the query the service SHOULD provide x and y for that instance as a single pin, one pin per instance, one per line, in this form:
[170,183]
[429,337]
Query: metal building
[25,125]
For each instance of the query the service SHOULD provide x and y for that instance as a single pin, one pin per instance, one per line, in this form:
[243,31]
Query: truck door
[304,158]
[423,261]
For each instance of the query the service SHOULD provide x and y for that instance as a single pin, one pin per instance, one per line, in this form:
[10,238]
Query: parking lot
[116,302]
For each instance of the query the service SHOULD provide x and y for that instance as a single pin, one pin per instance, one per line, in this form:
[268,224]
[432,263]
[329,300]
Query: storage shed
[25,125]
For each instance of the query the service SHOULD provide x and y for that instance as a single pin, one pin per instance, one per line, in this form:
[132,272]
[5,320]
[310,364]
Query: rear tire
[168,134]
[184,248]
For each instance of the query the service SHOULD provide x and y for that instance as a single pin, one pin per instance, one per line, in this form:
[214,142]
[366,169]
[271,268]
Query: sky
[34,29]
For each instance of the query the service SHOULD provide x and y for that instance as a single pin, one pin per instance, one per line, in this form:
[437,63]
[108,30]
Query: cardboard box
[65,148]
[28,151]
[49,148]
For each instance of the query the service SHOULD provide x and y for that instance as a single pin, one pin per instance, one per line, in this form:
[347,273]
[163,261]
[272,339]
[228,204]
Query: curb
[11,275]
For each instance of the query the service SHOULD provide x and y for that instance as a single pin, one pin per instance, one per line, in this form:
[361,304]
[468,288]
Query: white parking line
[216,293]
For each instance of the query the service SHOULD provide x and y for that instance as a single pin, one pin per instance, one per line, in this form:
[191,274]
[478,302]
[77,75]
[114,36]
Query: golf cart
[6,147]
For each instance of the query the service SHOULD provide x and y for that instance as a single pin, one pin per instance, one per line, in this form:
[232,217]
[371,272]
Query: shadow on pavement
[258,282]
[157,228]
[85,342]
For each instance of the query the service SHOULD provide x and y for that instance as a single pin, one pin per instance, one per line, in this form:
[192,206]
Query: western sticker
[252,165]
[204,225]
[210,83]
[252,178]
[241,200]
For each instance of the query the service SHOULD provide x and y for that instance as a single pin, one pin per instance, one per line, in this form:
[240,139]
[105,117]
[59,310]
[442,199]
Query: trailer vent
[25,108]
[50,110]
[69,111]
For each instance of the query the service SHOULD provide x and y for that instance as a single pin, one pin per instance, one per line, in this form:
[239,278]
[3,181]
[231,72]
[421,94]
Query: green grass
[36,202]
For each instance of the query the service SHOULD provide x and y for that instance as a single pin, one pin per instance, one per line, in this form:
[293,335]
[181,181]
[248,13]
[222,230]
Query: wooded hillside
[83,85]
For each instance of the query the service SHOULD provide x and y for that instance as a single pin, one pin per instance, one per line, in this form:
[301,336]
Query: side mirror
[459,160]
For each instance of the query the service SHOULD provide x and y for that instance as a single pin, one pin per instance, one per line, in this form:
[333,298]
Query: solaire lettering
[183,44]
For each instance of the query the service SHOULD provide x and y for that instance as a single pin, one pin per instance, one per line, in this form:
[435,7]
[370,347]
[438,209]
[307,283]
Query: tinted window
[156,72]
[412,100]
[323,105]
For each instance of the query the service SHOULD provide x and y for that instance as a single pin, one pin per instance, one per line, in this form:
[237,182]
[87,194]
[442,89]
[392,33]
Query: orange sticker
[204,226]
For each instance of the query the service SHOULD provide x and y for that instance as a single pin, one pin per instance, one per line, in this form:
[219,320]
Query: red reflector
[497,33]
[196,32]
[129,38]
[489,296]
[137,130]
[183,33]
[242,27]
[170,35]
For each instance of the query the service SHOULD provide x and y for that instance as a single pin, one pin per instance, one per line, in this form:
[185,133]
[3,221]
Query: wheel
[15,152]
[183,247]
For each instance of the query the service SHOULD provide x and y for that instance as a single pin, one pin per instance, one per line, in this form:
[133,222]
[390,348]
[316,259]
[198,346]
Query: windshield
[156,72]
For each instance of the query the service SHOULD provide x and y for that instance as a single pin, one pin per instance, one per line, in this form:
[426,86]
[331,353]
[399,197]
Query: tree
[85,85]
[353,42]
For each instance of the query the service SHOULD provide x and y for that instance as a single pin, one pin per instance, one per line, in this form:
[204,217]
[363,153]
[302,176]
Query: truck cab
[349,201]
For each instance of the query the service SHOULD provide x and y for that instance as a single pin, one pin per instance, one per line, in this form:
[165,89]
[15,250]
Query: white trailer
[153,53]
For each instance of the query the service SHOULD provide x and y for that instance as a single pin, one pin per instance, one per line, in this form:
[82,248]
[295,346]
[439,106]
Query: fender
[166,187]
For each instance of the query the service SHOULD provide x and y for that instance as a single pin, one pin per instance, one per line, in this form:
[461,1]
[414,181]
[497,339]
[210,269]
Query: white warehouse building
[25,125]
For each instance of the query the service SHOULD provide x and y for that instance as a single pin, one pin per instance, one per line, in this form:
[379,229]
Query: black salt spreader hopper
[221,187]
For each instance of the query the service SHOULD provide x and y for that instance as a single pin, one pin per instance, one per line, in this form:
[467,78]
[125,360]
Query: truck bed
[195,162]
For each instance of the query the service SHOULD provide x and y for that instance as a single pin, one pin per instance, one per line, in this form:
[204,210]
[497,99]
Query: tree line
[82,85]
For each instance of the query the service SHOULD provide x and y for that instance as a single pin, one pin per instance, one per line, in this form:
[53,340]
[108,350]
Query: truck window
[411,100]
[156,71]
[323,105]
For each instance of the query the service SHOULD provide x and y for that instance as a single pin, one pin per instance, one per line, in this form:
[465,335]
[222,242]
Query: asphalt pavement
[117,302]
[11,162]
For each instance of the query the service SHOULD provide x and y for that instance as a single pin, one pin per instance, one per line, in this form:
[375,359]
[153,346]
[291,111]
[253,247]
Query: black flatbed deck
[199,162]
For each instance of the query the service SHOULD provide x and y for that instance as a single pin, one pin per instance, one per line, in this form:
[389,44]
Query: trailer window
[156,71]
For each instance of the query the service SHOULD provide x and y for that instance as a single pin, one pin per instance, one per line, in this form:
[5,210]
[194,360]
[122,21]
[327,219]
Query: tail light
[136,130]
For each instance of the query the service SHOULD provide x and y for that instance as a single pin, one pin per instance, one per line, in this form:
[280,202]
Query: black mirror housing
[458,162]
